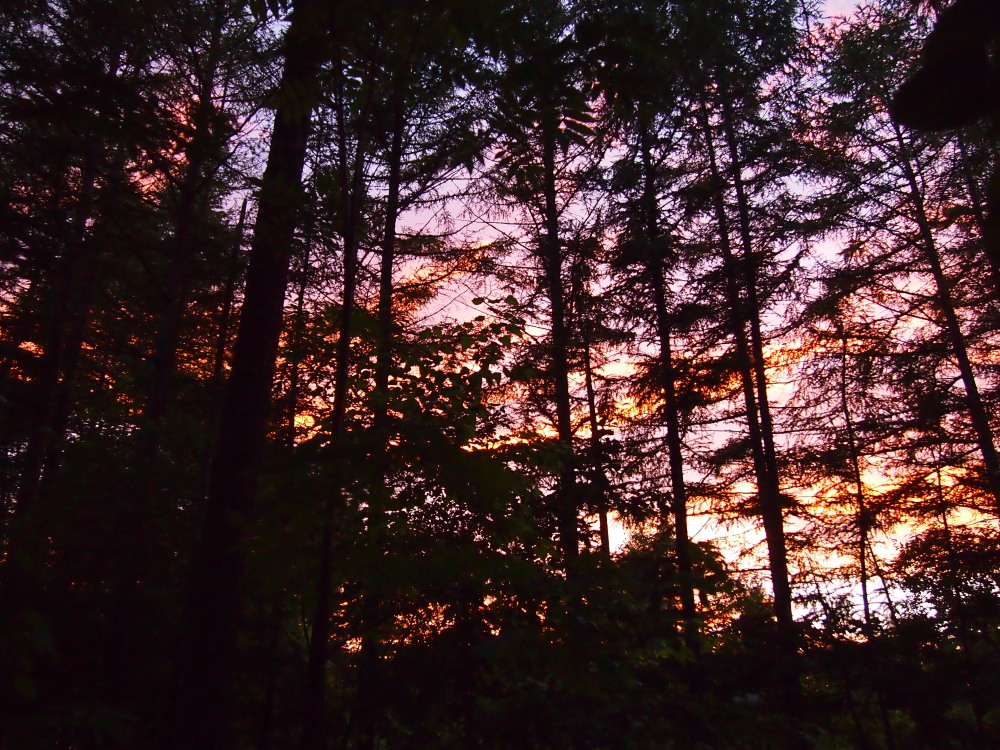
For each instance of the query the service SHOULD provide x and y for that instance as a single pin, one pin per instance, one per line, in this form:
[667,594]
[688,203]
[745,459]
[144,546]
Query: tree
[206,666]
[918,170]
[730,79]
[541,126]
[639,108]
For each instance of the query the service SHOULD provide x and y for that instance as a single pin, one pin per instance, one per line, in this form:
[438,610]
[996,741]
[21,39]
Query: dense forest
[510,374]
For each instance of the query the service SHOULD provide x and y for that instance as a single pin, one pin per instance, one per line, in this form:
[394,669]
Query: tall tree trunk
[598,477]
[978,413]
[351,199]
[270,660]
[189,212]
[203,714]
[754,387]
[771,501]
[73,288]
[295,336]
[144,558]
[223,322]
[983,215]
[25,595]
[552,260]
[863,524]
[367,700]
[765,470]
[668,384]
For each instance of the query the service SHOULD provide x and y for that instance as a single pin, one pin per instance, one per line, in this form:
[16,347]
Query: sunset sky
[839,7]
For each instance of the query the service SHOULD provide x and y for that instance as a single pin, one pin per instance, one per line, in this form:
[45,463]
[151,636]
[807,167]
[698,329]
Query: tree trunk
[559,358]
[367,701]
[863,524]
[144,559]
[188,212]
[73,288]
[203,715]
[769,502]
[668,379]
[351,180]
[765,470]
[222,325]
[978,413]
[984,216]
[598,478]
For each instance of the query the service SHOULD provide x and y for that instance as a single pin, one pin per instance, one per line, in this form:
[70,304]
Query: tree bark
[978,413]
[598,477]
[73,288]
[770,500]
[668,384]
[743,309]
[863,524]
[559,357]
[368,700]
[188,212]
[765,470]
[204,702]
[351,180]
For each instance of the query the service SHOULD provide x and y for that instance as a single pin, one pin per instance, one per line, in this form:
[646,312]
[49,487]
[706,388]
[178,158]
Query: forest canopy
[517,374]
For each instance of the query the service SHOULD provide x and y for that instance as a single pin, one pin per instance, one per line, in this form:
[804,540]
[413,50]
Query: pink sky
[839,7]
